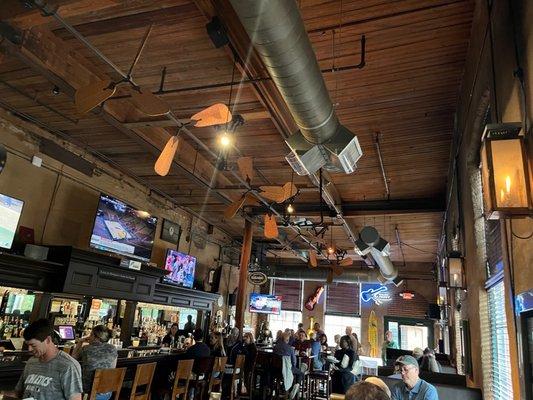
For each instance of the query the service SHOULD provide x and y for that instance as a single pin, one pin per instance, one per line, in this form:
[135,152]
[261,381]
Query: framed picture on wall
[170,232]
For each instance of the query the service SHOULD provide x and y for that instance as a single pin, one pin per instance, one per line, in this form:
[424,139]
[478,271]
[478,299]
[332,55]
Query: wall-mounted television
[122,229]
[180,268]
[265,303]
[10,211]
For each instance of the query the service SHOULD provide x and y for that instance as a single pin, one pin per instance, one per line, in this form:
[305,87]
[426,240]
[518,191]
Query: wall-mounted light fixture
[455,270]
[505,172]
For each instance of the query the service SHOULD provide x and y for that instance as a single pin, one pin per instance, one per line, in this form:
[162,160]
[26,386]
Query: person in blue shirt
[412,387]
[316,348]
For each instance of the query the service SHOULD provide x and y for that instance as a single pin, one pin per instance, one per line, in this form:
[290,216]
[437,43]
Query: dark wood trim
[26,273]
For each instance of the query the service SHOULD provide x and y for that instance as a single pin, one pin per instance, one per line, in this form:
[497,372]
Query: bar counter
[12,364]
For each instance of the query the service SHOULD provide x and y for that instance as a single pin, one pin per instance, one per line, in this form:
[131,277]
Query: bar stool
[236,376]
[215,380]
[278,385]
[182,379]
[143,377]
[107,380]
[202,372]
[317,379]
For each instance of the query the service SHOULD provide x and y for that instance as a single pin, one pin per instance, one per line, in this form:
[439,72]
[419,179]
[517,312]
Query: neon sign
[376,293]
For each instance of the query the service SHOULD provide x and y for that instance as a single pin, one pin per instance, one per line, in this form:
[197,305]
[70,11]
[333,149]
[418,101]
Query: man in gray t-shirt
[50,374]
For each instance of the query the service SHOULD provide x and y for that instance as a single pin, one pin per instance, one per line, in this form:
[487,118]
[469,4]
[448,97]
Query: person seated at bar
[366,391]
[216,344]
[343,370]
[171,338]
[265,334]
[250,351]
[291,336]
[318,330]
[301,344]
[316,348]
[50,373]
[232,339]
[282,348]
[428,361]
[96,354]
[411,386]
[279,336]
[323,339]
[199,349]
[189,326]
[418,353]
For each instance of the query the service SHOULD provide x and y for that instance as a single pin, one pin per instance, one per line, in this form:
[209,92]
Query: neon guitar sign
[379,295]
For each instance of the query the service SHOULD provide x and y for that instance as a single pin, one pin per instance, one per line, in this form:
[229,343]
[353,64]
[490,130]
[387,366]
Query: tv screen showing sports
[10,211]
[265,303]
[119,228]
[66,332]
[180,268]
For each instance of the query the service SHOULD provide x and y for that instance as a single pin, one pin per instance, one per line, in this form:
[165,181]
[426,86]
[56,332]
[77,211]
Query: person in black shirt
[171,337]
[189,326]
[343,377]
[199,349]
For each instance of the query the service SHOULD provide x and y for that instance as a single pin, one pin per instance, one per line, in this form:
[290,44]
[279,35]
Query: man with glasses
[412,387]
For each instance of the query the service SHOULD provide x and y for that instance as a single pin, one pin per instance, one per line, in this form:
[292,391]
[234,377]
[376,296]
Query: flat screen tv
[265,303]
[10,211]
[180,268]
[122,229]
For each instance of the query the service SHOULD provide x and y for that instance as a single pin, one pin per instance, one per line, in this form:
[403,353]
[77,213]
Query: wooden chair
[107,380]
[143,377]
[215,380]
[236,377]
[182,379]
[202,372]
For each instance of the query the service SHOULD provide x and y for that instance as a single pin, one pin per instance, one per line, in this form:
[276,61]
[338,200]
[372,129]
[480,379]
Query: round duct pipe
[304,273]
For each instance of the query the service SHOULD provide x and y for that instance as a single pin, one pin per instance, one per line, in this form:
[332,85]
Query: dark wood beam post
[243,274]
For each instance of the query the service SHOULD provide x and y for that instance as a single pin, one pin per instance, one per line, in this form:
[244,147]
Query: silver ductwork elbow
[278,34]
[369,241]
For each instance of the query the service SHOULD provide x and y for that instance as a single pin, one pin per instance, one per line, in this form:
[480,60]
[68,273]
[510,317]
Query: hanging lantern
[505,172]
[455,271]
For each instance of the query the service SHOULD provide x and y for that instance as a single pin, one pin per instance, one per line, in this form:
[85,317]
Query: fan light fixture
[290,208]
[225,139]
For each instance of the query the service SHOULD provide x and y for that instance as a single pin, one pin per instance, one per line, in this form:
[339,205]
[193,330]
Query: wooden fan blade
[337,269]
[330,277]
[246,168]
[274,193]
[217,114]
[346,262]
[289,190]
[164,161]
[149,103]
[251,200]
[313,261]
[92,95]
[271,227]
[232,209]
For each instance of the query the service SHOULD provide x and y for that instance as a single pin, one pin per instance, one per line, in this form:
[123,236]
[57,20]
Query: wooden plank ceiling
[407,91]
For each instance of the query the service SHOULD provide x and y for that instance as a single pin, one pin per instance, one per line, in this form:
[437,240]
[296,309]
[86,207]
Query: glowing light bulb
[331,250]
[225,139]
[290,208]
[508,184]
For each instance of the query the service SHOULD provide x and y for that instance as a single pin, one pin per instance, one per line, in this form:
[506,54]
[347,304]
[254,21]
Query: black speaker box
[232,299]
[216,33]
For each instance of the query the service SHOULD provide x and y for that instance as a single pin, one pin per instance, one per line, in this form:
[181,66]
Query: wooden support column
[243,275]
[126,329]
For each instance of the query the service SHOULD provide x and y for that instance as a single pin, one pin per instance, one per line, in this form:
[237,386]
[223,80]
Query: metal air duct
[276,29]
[304,273]
[369,241]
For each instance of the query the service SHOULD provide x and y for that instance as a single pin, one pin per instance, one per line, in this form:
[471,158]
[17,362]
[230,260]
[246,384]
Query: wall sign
[257,278]
[170,231]
[374,293]
[407,295]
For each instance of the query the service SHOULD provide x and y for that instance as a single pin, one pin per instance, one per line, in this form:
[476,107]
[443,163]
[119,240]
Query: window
[290,292]
[413,336]
[286,319]
[343,299]
[336,325]
[409,333]
[499,342]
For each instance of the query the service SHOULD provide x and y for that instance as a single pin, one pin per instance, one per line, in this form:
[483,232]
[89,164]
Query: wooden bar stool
[202,372]
[236,376]
[182,379]
[107,380]
[217,373]
[143,377]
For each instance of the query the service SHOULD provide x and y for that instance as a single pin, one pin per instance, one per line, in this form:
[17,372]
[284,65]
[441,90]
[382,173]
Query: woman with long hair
[216,344]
